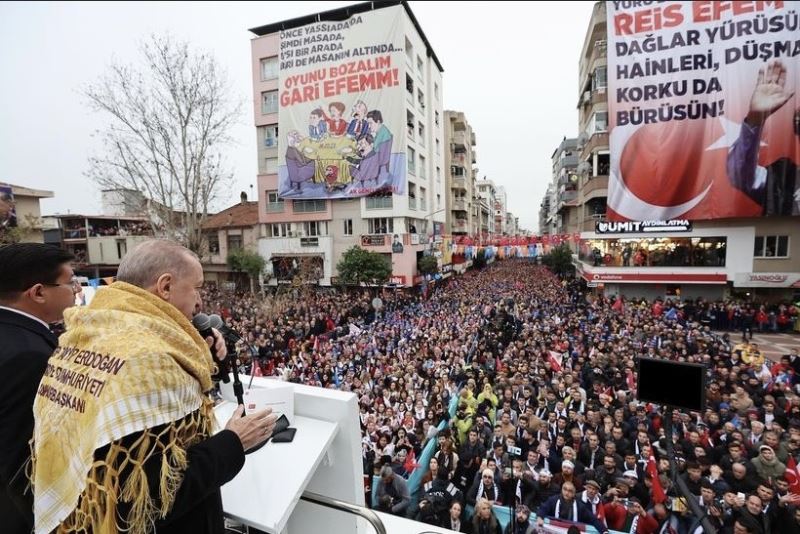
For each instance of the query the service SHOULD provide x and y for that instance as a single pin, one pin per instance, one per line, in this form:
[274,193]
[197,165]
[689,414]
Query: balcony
[459,204]
[460,225]
[597,141]
[460,182]
[472,139]
[567,196]
[597,186]
[459,140]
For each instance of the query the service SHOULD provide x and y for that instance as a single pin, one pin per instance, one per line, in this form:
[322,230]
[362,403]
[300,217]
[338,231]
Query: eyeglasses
[74,283]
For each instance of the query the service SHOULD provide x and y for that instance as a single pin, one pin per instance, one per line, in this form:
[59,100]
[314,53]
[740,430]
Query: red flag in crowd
[555,360]
[256,371]
[658,492]
[792,476]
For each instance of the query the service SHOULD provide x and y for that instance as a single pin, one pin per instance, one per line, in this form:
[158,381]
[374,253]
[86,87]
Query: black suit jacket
[25,347]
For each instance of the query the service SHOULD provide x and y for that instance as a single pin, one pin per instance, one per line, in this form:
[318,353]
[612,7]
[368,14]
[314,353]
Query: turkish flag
[792,476]
[658,492]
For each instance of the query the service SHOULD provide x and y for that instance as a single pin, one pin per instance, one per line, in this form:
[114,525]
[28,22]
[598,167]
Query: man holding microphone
[123,435]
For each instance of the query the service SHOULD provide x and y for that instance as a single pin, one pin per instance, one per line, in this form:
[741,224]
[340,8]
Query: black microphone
[203,324]
[219,324]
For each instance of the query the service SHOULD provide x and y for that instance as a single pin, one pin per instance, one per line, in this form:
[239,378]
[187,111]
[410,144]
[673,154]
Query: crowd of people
[546,419]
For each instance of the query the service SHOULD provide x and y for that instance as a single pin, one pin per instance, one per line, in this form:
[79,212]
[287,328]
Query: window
[423,204]
[421,99]
[269,68]
[422,173]
[436,96]
[315,228]
[122,248]
[412,196]
[421,130]
[379,202]
[600,78]
[599,122]
[412,161]
[271,165]
[348,227]
[274,202]
[308,206]
[381,225]
[438,147]
[269,102]
[213,243]
[280,230]
[436,117]
[410,85]
[409,51]
[234,242]
[270,136]
[439,174]
[419,65]
[771,246]
[438,201]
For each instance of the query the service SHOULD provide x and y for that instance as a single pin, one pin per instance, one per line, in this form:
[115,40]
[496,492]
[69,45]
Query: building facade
[21,213]
[563,216]
[488,194]
[462,215]
[320,231]
[753,258]
[232,229]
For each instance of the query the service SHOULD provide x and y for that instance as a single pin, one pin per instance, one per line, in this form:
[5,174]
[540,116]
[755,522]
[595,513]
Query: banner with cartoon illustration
[704,109]
[8,211]
[342,118]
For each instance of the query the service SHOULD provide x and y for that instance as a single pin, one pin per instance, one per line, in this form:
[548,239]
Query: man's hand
[770,93]
[539,522]
[218,343]
[252,429]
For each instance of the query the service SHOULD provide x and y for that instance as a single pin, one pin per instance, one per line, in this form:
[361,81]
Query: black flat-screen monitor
[678,384]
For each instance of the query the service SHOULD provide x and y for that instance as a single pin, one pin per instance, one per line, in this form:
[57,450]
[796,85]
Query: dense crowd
[546,421]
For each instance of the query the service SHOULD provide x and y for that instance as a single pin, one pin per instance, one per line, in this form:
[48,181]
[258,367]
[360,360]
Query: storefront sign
[668,278]
[373,240]
[766,280]
[446,268]
[398,280]
[636,227]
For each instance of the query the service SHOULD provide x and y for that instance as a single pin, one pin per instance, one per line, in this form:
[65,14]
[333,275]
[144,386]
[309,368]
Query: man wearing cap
[590,497]
[544,488]
[767,464]
[630,517]
[522,524]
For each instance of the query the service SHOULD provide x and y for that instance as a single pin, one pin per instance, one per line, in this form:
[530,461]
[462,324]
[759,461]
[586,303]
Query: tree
[246,261]
[361,267]
[428,265]
[169,125]
[22,231]
[559,260]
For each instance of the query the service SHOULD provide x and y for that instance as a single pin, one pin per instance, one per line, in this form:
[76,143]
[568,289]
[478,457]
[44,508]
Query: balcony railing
[460,182]
[460,204]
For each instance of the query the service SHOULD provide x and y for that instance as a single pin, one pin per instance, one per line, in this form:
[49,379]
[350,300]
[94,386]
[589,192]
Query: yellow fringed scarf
[127,363]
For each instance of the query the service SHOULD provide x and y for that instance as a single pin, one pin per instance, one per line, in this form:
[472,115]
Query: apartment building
[748,257]
[488,192]
[20,213]
[564,215]
[321,229]
[463,210]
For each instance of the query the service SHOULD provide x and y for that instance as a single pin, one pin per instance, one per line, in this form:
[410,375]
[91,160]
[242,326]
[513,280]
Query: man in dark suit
[36,286]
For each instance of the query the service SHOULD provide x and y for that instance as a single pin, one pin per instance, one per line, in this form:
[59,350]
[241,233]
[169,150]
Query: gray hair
[143,265]
[386,471]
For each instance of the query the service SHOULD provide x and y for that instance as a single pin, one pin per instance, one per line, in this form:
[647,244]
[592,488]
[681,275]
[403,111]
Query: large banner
[704,109]
[8,211]
[342,107]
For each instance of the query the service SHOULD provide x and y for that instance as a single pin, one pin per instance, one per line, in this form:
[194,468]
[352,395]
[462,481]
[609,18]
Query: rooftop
[23,191]
[239,215]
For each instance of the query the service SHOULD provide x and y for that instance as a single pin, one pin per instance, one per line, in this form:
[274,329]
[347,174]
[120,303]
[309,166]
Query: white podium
[324,458]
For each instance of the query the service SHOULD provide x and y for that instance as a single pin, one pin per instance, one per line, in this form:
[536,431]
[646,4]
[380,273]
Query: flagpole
[683,490]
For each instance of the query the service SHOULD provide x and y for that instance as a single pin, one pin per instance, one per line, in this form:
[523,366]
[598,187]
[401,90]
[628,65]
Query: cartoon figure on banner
[775,185]
[337,155]
[8,212]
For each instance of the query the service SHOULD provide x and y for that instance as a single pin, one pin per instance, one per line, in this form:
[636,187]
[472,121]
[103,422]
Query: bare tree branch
[170,121]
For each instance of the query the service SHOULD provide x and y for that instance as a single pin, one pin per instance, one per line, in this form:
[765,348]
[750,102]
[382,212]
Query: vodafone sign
[767,280]
[655,278]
